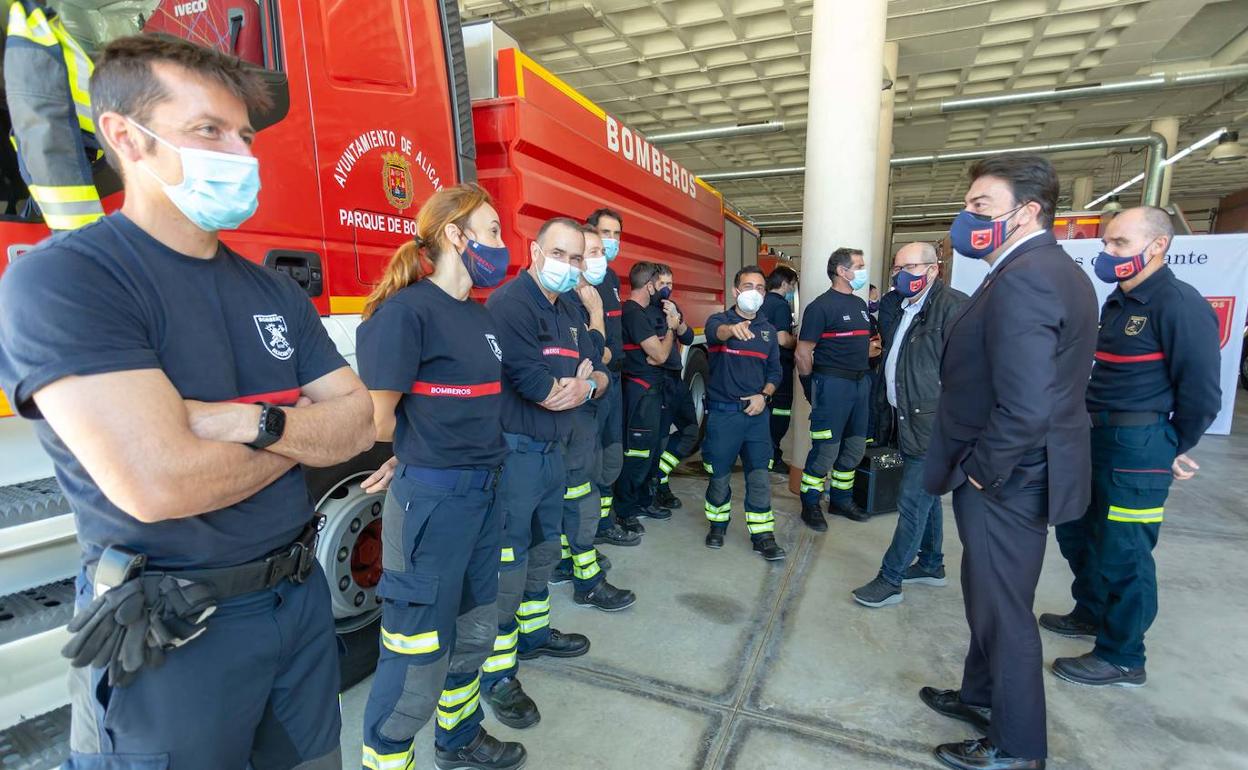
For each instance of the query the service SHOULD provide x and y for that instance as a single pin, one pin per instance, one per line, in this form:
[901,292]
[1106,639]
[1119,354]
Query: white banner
[1216,265]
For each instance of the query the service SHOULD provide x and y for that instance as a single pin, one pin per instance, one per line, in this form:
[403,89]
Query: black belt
[1126,419]
[844,374]
[293,562]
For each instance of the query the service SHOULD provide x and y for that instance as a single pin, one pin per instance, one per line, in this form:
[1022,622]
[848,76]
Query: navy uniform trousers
[678,412]
[441,531]
[838,435]
[257,689]
[581,507]
[1110,549]
[530,494]
[731,432]
[643,415]
[610,417]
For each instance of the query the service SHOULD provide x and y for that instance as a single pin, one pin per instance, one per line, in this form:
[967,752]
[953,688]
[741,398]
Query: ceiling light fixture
[1229,150]
[1209,138]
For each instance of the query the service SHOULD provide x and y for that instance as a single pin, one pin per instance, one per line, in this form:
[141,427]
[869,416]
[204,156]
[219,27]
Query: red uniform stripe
[1114,358]
[614,313]
[855,333]
[444,390]
[639,381]
[735,352]
[630,346]
[280,397]
[560,352]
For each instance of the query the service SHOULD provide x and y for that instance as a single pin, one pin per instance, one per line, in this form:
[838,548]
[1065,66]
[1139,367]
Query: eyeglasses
[909,268]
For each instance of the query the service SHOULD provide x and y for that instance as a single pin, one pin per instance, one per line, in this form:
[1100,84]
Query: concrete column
[879,248]
[1169,128]
[1081,195]
[842,145]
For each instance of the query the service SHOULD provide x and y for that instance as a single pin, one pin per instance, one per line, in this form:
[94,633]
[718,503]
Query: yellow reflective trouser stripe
[447,720]
[1136,515]
[810,483]
[460,694]
[586,558]
[404,760]
[782,412]
[849,474]
[604,505]
[500,662]
[536,624]
[563,540]
[843,479]
[771,463]
[577,492]
[509,555]
[528,609]
[506,641]
[718,512]
[454,706]
[816,435]
[585,565]
[564,550]
[585,573]
[668,461]
[65,194]
[707,467]
[35,28]
[79,67]
[759,516]
[418,644]
[637,453]
[759,522]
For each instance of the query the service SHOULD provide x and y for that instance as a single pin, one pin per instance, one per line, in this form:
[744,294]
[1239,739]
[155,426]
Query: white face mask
[595,269]
[750,300]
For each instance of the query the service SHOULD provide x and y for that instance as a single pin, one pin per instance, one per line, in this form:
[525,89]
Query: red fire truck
[377,116]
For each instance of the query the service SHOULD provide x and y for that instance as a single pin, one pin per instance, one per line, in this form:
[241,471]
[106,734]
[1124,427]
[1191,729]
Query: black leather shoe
[813,518]
[631,524]
[605,597]
[664,498]
[779,467]
[1067,625]
[484,753]
[617,535]
[847,508]
[512,706]
[1095,671]
[603,562]
[715,538]
[655,512]
[982,755]
[560,645]
[768,548]
[949,703]
[561,575]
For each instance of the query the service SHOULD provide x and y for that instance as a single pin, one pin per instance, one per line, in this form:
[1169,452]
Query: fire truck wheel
[697,374]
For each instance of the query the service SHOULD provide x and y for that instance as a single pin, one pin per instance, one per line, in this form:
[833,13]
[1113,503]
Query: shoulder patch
[273,333]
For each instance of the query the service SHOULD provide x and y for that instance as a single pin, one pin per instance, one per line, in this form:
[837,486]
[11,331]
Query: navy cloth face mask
[487,265]
[909,284]
[1112,269]
[978,235]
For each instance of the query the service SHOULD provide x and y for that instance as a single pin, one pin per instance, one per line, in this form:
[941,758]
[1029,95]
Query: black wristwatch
[766,398]
[272,426]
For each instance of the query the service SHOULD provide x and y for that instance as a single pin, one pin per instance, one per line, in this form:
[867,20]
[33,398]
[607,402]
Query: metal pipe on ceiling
[1157,150]
[718,132]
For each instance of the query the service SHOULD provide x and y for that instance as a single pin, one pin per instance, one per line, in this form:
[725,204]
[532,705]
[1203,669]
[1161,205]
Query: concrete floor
[727,661]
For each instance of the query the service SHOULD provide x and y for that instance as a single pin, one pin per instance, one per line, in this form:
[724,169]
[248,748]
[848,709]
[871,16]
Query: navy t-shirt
[841,328]
[779,313]
[640,325]
[443,355]
[672,364]
[609,290]
[741,368]
[110,298]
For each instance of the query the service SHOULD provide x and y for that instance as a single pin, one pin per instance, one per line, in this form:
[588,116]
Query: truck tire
[1243,366]
[349,550]
[697,375]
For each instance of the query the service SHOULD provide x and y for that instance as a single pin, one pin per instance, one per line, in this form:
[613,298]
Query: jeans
[919,526]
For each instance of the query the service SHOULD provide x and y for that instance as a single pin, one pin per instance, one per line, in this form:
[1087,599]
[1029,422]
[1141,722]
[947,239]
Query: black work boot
[655,512]
[633,525]
[560,645]
[779,466]
[812,517]
[606,597]
[561,574]
[715,537]
[484,753]
[1067,625]
[604,563]
[767,547]
[512,706]
[1091,670]
[617,535]
[847,508]
[663,498]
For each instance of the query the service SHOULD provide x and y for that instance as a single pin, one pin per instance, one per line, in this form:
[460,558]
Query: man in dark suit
[1011,441]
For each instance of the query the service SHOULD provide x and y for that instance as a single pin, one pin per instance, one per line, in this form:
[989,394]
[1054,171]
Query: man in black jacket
[912,322]
[1011,440]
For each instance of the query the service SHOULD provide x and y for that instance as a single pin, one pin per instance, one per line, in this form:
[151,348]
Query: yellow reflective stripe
[606,502]
[506,641]
[418,644]
[499,662]
[64,194]
[79,68]
[782,412]
[585,573]
[842,484]
[758,529]
[816,435]
[530,608]
[586,558]
[447,720]
[375,761]
[707,467]
[509,555]
[759,516]
[843,474]
[577,492]
[536,624]
[563,540]
[460,694]
[34,28]
[1136,515]
[809,479]
[668,462]
[718,512]
[70,222]
[637,453]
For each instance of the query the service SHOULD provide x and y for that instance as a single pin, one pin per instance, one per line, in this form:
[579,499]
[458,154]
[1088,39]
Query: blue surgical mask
[595,270]
[558,276]
[611,247]
[218,191]
[1111,269]
[789,296]
[978,235]
[487,265]
[859,280]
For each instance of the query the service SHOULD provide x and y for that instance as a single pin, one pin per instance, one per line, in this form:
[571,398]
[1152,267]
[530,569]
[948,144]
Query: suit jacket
[1013,378]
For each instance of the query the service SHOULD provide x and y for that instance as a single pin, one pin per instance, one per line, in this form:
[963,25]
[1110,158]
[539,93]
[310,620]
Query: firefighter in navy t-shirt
[1154,391]
[832,351]
[778,309]
[432,359]
[547,373]
[745,371]
[180,390]
[609,226]
[678,411]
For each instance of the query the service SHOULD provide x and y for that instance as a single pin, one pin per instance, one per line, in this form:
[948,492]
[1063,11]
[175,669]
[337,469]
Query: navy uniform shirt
[597,342]
[841,328]
[1158,351]
[609,290]
[110,298]
[672,364]
[776,309]
[741,368]
[640,325]
[443,355]
[542,342]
